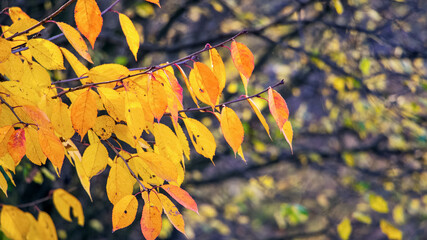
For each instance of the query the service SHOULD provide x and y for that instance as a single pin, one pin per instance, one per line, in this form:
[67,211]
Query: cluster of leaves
[112,106]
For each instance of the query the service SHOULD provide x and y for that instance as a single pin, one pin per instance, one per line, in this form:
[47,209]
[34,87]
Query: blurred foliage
[355,73]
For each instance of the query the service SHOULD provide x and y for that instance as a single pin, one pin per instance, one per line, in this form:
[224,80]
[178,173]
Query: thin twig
[127,165]
[12,109]
[147,71]
[33,203]
[42,21]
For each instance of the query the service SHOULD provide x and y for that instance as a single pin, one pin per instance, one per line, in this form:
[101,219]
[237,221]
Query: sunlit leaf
[151,220]
[113,102]
[378,203]
[161,166]
[288,133]
[181,196]
[14,223]
[134,115]
[119,183]
[204,84]
[76,65]
[83,112]
[243,59]
[16,145]
[202,139]
[88,19]
[5,49]
[51,147]
[16,14]
[157,98]
[95,159]
[65,203]
[46,225]
[344,229]
[157,2]
[3,184]
[218,68]
[187,83]
[104,127]
[172,213]
[259,115]
[167,142]
[34,151]
[46,53]
[5,133]
[61,120]
[124,212]
[132,36]
[278,107]
[76,40]
[232,128]
[107,72]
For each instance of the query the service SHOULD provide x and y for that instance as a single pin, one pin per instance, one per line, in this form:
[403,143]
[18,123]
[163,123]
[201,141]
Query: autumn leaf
[124,212]
[232,128]
[344,229]
[172,213]
[76,65]
[157,98]
[378,203]
[16,145]
[151,220]
[46,53]
[5,134]
[243,59]
[160,165]
[132,36]
[61,120]
[288,133]
[167,142]
[113,102]
[119,183]
[5,49]
[95,159]
[51,147]
[76,40]
[3,184]
[389,230]
[204,84]
[134,115]
[16,14]
[14,223]
[181,196]
[34,151]
[259,115]
[88,19]
[64,202]
[278,107]
[187,83]
[218,68]
[83,112]
[104,126]
[46,225]
[157,2]
[202,139]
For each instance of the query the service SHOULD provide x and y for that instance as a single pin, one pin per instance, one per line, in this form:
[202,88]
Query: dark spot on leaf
[134,137]
[203,149]
[126,211]
[198,136]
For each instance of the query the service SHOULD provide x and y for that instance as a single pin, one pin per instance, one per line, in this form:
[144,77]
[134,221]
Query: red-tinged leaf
[16,145]
[175,86]
[157,2]
[38,116]
[204,83]
[124,212]
[278,107]
[181,196]
[218,68]
[232,128]
[151,220]
[243,59]
[132,36]
[88,19]
[76,40]
[51,147]
[83,112]
[157,98]
[5,133]
[260,116]
[288,133]
[172,213]
[187,83]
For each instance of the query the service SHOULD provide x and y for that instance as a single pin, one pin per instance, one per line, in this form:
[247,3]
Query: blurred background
[356,87]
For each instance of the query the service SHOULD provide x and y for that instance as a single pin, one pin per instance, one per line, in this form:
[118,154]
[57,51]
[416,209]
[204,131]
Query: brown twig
[127,165]
[13,111]
[42,21]
[147,71]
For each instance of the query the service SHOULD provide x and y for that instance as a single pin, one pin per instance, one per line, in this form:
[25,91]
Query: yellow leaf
[61,120]
[182,139]
[77,158]
[104,126]
[36,76]
[124,212]
[218,68]
[123,133]
[144,172]
[76,65]
[259,115]
[378,203]
[134,115]
[7,162]
[288,133]
[202,139]
[338,6]
[187,83]
[107,72]
[160,165]
[51,147]
[172,213]
[5,49]
[157,2]
[24,24]
[95,159]
[204,84]
[83,112]
[64,201]
[344,229]
[130,32]
[46,53]
[76,40]
[88,19]
[13,67]
[390,230]
[5,133]
[113,103]
[167,142]
[3,184]
[232,128]
[16,145]
[46,225]
[14,222]
[16,14]
[119,182]
[34,151]
[399,214]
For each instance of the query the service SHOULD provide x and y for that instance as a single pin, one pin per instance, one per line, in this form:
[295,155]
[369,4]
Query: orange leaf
[83,112]
[16,145]
[124,212]
[243,59]
[232,128]
[76,40]
[172,213]
[181,196]
[157,98]
[157,2]
[288,133]
[51,147]
[132,36]
[151,220]
[260,116]
[218,68]
[88,19]
[187,83]
[204,84]
[5,133]
[278,107]
[16,14]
